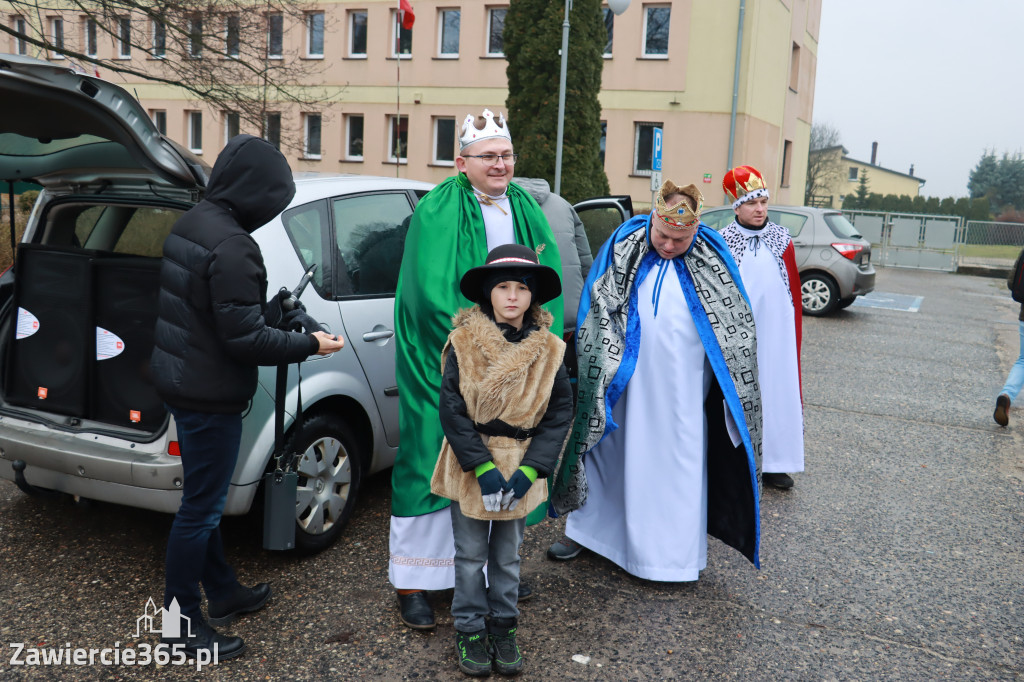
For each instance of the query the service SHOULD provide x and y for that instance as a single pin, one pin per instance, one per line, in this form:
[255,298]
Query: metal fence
[910,240]
[992,245]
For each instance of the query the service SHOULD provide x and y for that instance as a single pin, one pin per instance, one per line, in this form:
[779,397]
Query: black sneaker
[525,591]
[474,657]
[1002,413]
[780,481]
[501,639]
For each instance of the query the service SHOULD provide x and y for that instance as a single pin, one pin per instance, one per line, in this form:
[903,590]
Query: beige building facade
[390,105]
[845,173]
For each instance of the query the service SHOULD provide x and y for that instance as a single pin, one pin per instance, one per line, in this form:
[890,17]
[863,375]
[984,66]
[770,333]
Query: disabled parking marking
[887,301]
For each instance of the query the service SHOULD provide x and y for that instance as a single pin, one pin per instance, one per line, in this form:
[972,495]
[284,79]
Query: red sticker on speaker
[135,415]
[41,392]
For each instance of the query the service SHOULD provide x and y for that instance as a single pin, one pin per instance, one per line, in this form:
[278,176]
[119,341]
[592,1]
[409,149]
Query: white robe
[646,509]
[782,444]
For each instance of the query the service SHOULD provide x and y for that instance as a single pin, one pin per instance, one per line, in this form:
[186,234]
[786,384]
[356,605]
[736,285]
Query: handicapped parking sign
[656,152]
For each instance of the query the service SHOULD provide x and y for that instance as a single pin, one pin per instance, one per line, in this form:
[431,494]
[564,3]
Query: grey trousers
[495,543]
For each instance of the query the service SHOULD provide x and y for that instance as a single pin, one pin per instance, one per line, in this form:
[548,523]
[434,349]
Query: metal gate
[910,240]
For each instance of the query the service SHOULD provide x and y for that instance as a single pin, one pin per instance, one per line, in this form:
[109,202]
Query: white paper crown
[473,131]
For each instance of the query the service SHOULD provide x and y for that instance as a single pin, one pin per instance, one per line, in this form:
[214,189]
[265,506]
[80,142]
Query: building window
[159,39]
[495,27]
[159,117]
[354,137]
[787,161]
[124,38]
[315,34]
[275,36]
[357,34]
[272,129]
[643,148]
[854,174]
[794,68]
[604,141]
[311,145]
[20,44]
[448,33]
[444,141]
[656,20]
[609,25]
[56,37]
[398,139]
[231,122]
[401,38]
[232,36]
[89,37]
[195,132]
[195,37]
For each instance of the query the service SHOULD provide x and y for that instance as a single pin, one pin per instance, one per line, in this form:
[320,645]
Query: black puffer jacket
[211,334]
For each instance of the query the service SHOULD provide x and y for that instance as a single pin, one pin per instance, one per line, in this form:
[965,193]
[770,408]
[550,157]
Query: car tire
[846,302]
[330,469]
[819,294]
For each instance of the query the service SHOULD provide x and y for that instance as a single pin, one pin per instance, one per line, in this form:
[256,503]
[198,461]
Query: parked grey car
[833,259]
[78,413]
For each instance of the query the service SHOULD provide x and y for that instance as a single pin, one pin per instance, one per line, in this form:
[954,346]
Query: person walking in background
[764,254]
[1015,379]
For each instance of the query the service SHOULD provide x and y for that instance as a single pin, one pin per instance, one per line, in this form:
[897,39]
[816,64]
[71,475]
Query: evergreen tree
[533,38]
[984,176]
[862,190]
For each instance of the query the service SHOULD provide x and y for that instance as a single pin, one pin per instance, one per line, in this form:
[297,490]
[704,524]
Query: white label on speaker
[28,324]
[108,344]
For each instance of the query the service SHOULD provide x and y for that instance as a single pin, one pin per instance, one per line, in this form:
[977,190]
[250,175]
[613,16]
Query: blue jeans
[495,543]
[1016,378]
[195,553]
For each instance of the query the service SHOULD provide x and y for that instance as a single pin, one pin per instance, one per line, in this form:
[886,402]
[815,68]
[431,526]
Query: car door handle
[378,335]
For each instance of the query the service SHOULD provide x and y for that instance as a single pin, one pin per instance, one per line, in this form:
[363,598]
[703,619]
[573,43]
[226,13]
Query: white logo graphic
[170,620]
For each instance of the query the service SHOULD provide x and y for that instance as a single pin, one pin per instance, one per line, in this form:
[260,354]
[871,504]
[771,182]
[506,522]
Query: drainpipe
[736,85]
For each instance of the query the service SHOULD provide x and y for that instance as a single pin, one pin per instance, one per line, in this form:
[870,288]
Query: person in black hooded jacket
[211,335]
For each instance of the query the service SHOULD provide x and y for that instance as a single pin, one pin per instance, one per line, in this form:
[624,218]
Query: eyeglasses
[492,159]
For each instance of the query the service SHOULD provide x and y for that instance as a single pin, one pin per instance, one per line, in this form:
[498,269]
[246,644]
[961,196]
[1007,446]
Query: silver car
[78,413]
[833,259]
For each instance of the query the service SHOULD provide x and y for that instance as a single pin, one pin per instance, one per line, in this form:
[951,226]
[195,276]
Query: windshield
[841,227]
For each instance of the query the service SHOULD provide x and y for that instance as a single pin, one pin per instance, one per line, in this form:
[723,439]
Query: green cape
[446,238]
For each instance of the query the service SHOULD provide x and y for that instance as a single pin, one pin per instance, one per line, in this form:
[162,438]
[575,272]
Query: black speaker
[125,313]
[53,340]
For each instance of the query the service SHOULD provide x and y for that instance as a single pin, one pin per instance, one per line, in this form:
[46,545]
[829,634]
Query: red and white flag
[407,16]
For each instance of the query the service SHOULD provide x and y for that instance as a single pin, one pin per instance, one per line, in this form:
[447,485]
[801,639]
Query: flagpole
[398,83]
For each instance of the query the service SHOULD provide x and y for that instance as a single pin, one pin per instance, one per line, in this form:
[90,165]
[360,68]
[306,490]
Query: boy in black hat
[505,408]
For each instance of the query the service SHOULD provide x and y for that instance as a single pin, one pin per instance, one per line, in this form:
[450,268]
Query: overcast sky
[934,82]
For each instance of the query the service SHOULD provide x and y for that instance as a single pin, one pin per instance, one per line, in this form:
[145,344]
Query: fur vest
[498,380]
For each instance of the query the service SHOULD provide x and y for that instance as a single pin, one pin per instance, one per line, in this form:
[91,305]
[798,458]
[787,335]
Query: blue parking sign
[656,151]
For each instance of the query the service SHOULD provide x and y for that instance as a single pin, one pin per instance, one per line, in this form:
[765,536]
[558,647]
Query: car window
[370,234]
[718,219]
[125,229]
[599,222]
[146,231]
[307,227]
[794,222]
[841,227]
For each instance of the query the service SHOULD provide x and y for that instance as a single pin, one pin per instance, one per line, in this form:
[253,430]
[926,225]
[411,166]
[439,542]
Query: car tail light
[173,449]
[849,251]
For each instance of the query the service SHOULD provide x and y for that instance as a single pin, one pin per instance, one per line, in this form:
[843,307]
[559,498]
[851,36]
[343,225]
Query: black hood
[252,180]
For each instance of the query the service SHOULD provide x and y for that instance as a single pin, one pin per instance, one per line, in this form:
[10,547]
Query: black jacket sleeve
[546,446]
[458,428]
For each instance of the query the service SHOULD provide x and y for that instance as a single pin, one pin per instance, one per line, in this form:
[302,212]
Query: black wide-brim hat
[515,258]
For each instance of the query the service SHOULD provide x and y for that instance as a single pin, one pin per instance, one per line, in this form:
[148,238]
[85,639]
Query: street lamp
[617,7]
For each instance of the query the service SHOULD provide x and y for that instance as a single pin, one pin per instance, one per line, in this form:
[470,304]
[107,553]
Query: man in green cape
[452,230]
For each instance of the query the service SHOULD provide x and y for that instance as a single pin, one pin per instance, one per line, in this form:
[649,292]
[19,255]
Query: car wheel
[330,471]
[819,293]
[846,302]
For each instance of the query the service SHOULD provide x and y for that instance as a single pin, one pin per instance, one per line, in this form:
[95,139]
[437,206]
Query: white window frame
[55,26]
[490,24]
[20,44]
[394,125]
[396,27]
[352,32]
[158,51]
[156,115]
[310,27]
[270,32]
[307,119]
[90,36]
[435,140]
[193,119]
[227,36]
[441,13]
[349,156]
[124,37]
[607,15]
[228,125]
[647,14]
[266,128]
[637,125]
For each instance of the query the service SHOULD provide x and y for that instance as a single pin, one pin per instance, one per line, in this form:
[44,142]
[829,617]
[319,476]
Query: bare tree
[824,163]
[230,54]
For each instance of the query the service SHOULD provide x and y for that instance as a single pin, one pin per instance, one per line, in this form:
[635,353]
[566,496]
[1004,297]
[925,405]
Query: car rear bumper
[864,282]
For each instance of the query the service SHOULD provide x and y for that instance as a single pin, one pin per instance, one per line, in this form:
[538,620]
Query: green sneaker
[501,640]
[474,657]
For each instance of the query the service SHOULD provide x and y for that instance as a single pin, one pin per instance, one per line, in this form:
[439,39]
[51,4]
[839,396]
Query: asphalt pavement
[897,556]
